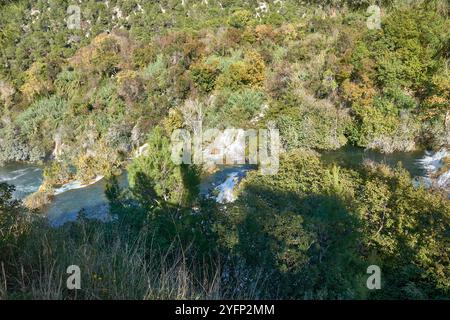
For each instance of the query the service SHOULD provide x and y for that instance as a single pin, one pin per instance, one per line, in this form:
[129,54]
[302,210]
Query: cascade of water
[226,189]
[433,163]
[73,185]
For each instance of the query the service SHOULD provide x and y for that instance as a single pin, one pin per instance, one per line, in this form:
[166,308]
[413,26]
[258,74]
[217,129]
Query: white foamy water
[27,179]
[228,147]
[444,179]
[433,163]
[71,198]
[226,189]
[15,175]
[74,185]
[221,185]
[77,197]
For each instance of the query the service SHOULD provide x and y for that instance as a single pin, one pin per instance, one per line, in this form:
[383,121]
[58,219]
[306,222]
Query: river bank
[425,168]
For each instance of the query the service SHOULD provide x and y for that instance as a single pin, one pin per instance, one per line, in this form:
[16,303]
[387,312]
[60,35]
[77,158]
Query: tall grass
[114,265]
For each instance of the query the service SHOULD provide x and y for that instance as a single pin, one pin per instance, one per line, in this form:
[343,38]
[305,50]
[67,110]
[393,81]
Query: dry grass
[112,267]
[38,200]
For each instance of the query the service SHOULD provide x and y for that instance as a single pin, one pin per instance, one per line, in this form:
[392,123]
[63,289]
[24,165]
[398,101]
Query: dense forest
[82,101]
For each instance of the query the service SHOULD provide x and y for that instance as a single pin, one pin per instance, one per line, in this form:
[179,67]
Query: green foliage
[13,221]
[236,108]
[154,177]
[296,227]
[38,79]
[315,71]
[308,123]
[56,173]
[314,224]
[405,228]
[398,62]
[68,83]
[241,19]
[40,119]
[106,57]
[248,72]
[107,106]
[205,75]
[404,54]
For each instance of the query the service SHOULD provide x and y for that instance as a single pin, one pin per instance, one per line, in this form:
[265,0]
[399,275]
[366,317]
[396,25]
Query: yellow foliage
[173,121]
[264,32]
[105,53]
[38,200]
[248,72]
[288,32]
[103,162]
[362,94]
[35,83]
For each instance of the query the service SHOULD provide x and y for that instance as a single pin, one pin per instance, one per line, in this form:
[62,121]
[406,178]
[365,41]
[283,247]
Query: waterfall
[73,185]
[226,189]
[434,163]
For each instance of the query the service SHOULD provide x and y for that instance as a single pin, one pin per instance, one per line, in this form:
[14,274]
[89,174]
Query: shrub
[241,19]
[102,161]
[154,177]
[144,55]
[250,72]
[130,86]
[105,55]
[15,147]
[305,122]
[40,121]
[173,121]
[56,173]
[204,74]
[106,58]
[236,108]
[38,200]
[157,73]
[14,221]
[37,81]
[68,83]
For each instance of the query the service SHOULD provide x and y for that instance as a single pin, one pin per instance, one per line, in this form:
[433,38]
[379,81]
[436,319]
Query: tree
[13,219]
[405,232]
[297,227]
[154,177]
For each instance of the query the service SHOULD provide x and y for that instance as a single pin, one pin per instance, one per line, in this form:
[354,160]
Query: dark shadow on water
[353,157]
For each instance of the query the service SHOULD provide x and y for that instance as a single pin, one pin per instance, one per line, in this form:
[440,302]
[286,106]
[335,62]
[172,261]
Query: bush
[38,81]
[68,83]
[38,200]
[105,56]
[250,72]
[205,74]
[236,108]
[13,219]
[56,173]
[40,121]
[305,122]
[130,86]
[155,178]
[241,19]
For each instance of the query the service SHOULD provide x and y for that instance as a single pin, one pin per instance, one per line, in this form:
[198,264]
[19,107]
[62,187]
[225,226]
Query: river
[353,157]
[28,178]
[220,185]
